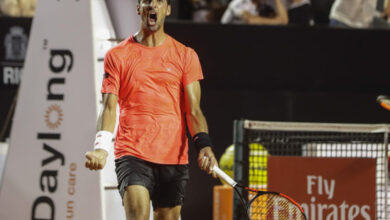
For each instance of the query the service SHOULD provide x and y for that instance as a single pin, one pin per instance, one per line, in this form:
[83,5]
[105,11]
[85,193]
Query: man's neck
[150,39]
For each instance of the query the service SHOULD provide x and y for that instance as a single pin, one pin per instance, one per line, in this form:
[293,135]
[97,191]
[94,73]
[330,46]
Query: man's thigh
[134,171]
[135,183]
[171,184]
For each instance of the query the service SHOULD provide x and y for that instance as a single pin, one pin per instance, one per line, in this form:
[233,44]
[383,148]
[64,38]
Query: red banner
[327,188]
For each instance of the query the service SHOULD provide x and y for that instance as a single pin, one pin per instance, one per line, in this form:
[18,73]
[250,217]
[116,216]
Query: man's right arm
[108,116]
[96,159]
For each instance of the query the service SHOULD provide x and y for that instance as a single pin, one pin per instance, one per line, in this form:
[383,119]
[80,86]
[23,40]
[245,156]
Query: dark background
[301,74]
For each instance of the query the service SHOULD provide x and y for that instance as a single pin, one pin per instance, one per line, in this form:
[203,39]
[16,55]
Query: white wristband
[103,140]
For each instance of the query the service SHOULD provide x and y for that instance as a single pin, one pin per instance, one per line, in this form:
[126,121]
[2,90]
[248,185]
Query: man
[155,80]
[247,12]
[355,14]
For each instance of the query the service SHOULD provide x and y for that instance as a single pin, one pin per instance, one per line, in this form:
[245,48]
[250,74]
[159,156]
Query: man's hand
[95,160]
[207,161]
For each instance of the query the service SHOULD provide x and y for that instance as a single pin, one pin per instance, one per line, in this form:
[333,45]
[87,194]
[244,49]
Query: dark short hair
[168,1]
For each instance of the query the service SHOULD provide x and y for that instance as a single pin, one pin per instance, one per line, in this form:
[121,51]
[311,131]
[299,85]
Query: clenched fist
[95,160]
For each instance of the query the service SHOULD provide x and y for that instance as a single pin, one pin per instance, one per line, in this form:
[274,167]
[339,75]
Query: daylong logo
[53,116]
[60,64]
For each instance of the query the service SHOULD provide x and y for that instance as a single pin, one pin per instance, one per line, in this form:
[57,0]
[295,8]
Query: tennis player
[155,80]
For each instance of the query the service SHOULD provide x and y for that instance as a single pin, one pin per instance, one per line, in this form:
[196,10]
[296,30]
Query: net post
[386,171]
[241,167]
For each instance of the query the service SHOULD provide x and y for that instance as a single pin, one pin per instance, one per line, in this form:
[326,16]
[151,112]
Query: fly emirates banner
[327,188]
[55,120]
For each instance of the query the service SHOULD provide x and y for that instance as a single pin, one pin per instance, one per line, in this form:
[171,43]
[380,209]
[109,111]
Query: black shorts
[166,183]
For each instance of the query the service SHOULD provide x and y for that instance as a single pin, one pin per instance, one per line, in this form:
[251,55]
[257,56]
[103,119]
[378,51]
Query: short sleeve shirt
[358,13]
[149,83]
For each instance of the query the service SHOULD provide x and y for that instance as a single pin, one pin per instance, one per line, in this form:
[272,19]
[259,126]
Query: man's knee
[136,212]
[136,201]
[167,213]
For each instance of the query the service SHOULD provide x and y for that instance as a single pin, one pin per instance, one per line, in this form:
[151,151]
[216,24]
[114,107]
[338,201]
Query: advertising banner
[327,188]
[55,120]
[14,33]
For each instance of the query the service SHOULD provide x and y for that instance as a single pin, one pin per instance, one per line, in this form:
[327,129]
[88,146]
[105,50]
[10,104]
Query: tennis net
[256,141]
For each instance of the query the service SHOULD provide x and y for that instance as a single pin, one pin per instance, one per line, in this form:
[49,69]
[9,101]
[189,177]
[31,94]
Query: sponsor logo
[53,116]
[15,43]
[44,207]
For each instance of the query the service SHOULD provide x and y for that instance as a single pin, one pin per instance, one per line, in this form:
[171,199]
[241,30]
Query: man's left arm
[198,127]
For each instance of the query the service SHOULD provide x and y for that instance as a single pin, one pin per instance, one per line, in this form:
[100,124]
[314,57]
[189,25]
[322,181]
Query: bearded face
[153,13]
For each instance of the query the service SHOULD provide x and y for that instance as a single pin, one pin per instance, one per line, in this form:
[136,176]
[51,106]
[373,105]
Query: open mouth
[152,19]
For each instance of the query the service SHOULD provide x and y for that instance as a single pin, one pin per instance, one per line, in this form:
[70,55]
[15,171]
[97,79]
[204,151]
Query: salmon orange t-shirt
[149,83]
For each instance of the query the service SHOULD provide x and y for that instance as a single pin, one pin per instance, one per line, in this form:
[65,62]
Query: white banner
[55,121]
